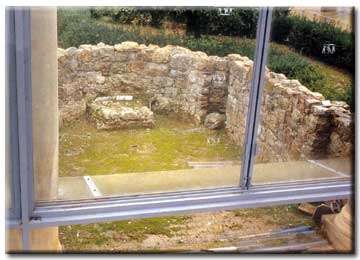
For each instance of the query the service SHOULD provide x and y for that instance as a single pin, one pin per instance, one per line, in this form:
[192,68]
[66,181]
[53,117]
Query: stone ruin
[295,122]
[115,112]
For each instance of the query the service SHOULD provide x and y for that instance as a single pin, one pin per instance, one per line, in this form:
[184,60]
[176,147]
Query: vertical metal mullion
[257,86]
[12,128]
[24,106]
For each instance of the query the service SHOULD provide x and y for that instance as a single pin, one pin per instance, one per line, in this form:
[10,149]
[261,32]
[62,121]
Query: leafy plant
[308,37]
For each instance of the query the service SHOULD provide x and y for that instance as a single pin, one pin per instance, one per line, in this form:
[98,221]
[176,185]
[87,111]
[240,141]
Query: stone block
[110,113]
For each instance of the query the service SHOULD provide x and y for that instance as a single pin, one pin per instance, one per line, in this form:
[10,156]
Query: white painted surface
[94,190]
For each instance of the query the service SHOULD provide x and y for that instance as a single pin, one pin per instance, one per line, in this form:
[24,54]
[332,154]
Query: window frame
[26,214]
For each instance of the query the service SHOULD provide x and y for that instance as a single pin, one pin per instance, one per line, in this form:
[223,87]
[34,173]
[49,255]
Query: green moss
[78,237]
[284,216]
[84,150]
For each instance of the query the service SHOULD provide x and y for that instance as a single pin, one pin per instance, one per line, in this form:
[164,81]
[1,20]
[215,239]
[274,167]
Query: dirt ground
[84,150]
[181,233]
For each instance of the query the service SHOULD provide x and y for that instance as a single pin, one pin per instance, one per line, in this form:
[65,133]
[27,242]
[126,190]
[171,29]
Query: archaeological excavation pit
[184,127]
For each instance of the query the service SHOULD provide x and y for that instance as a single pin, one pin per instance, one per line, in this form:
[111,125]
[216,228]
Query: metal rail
[186,202]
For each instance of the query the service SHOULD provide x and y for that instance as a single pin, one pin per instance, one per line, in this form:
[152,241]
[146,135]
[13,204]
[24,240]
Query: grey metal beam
[12,130]
[256,90]
[24,107]
[13,223]
[175,204]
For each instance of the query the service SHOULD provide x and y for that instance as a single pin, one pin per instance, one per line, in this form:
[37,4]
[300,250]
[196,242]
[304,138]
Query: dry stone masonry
[295,122]
[109,113]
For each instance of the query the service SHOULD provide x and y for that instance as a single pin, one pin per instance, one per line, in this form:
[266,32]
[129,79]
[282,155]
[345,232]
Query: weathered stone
[162,105]
[326,103]
[311,101]
[181,61]
[161,55]
[100,79]
[154,69]
[136,66]
[214,121]
[126,46]
[110,113]
[319,110]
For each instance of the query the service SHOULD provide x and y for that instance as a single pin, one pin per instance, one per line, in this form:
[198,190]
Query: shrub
[242,21]
[132,15]
[309,37]
[75,27]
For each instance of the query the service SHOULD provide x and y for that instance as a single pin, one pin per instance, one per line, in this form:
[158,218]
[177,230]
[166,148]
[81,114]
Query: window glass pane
[150,100]
[306,125]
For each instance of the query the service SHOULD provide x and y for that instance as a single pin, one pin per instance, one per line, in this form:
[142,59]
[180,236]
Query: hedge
[308,37]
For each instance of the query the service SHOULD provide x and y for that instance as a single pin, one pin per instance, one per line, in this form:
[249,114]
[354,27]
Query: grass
[84,150]
[76,237]
[106,236]
[283,216]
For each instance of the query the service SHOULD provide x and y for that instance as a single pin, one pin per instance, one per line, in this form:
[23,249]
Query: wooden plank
[307,208]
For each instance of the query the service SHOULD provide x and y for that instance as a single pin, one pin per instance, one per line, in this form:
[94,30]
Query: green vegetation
[300,33]
[75,237]
[129,235]
[242,21]
[308,37]
[76,27]
[84,150]
[282,216]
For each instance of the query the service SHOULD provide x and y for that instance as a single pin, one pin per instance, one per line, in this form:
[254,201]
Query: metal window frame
[257,87]
[13,167]
[31,215]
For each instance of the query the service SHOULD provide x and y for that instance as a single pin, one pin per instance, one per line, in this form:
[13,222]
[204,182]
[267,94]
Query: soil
[185,233]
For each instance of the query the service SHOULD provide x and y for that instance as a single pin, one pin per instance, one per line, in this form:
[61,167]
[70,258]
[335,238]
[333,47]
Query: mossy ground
[168,146]
[189,232]
[284,216]
[84,150]
[76,237]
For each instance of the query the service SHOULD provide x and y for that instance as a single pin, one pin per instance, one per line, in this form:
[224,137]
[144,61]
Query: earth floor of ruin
[267,229]
[85,152]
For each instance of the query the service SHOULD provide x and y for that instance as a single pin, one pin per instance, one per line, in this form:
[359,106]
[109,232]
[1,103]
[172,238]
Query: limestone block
[181,61]
[127,46]
[154,69]
[215,121]
[162,105]
[161,55]
[110,113]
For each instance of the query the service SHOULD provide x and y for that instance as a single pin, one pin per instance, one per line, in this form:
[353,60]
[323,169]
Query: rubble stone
[109,113]
[215,121]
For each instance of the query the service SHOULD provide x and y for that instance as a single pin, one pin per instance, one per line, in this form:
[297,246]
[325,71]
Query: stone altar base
[117,112]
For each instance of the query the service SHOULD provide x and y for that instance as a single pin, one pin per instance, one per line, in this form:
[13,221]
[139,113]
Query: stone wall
[295,122]
[193,82]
